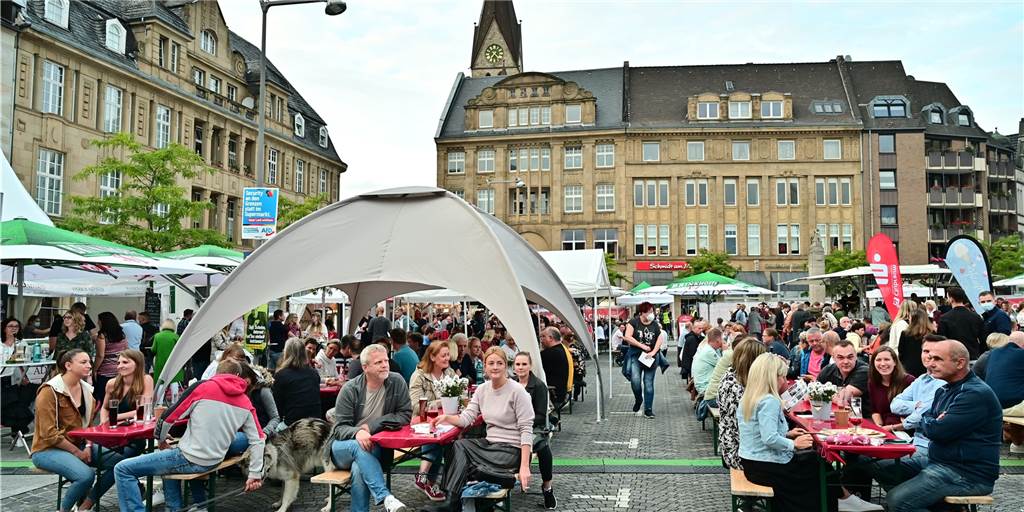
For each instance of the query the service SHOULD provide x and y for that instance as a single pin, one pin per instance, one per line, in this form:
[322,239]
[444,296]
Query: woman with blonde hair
[291,322]
[129,387]
[767,446]
[317,328]
[73,335]
[994,341]
[730,391]
[435,365]
[901,323]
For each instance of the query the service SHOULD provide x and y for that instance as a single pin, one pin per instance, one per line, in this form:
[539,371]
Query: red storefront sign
[662,265]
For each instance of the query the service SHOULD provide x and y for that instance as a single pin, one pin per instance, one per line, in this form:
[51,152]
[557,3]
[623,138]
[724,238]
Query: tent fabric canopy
[1012,281]
[383,256]
[905,270]
[710,283]
[17,201]
[633,299]
[583,273]
[208,256]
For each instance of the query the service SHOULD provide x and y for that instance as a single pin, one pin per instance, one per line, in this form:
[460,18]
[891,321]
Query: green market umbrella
[710,283]
[640,287]
[208,256]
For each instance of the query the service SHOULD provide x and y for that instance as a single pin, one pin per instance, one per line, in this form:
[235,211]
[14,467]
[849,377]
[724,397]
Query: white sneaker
[391,504]
[854,503]
[1016,448]
[158,498]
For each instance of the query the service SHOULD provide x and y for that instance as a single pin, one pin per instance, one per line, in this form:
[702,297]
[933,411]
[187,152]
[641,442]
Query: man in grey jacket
[375,400]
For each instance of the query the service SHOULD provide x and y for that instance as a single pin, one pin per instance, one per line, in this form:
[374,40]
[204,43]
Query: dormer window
[827,107]
[115,36]
[300,126]
[323,136]
[573,114]
[889,108]
[56,12]
[707,110]
[739,110]
[771,109]
[485,119]
[935,116]
[208,42]
[963,119]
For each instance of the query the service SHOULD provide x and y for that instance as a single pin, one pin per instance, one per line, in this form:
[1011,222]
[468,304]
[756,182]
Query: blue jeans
[163,462]
[928,485]
[639,373]
[80,475]
[367,476]
[433,453]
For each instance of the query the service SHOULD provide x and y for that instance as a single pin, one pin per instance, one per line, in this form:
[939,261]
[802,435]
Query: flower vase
[821,410]
[450,404]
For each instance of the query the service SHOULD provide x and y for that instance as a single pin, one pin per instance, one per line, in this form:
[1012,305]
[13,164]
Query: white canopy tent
[905,270]
[908,290]
[1012,281]
[15,201]
[330,296]
[441,296]
[633,299]
[382,256]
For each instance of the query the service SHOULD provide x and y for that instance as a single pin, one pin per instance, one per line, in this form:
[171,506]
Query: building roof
[504,13]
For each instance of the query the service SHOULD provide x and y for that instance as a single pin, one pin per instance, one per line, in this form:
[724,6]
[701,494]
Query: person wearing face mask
[996,320]
[642,336]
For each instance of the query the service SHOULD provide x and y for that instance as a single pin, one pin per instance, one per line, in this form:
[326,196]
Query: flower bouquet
[821,394]
[450,388]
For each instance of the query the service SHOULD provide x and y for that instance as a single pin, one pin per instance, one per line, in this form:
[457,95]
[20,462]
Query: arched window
[56,12]
[115,36]
[935,116]
[300,126]
[208,42]
[323,136]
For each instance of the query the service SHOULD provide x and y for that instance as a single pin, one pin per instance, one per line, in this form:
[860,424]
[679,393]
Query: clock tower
[497,41]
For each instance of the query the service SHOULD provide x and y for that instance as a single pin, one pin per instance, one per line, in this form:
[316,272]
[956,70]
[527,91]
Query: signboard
[968,263]
[259,213]
[662,265]
[152,305]
[256,328]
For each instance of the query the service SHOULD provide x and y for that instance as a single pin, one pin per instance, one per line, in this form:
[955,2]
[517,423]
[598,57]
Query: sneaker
[429,488]
[638,414]
[549,498]
[391,504]
[649,415]
[637,405]
[1016,448]
[854,503]
[158,498]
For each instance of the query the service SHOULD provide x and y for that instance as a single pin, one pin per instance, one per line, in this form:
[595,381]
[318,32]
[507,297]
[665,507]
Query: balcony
[961,161]
[1000,170]
[223,101]
[1002,204]
[951,197]
[941,233]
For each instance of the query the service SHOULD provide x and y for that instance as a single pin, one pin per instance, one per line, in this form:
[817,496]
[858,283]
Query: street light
[519,183]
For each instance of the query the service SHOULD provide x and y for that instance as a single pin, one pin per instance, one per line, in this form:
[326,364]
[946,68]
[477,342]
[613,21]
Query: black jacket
[690,345]
[965,326]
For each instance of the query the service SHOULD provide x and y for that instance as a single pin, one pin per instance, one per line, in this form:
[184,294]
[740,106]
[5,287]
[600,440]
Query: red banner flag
[885,265]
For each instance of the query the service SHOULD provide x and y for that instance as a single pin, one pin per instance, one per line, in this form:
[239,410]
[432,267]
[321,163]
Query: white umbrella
[1012,281]
[633,299]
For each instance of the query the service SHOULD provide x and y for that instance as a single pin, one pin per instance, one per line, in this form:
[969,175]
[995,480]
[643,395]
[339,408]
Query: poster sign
[256,328]
[662,265]
[968,263]
[259,213]
[885,265]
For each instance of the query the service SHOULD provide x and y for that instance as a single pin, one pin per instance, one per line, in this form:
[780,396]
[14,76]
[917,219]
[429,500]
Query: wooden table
[106,437]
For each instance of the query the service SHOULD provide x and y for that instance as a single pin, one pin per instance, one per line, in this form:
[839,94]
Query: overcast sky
[380,73]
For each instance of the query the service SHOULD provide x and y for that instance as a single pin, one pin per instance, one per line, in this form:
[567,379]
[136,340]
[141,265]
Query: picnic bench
[747,495]
[209,476]
[338,483]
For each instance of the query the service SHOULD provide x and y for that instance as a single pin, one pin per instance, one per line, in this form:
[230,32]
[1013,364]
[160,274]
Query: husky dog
[293,452]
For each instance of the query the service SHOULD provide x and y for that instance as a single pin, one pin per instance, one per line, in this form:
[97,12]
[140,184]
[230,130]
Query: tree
[148,196]
[837,261]
[1006,256]
[289,211]
[707,261]
[614,277]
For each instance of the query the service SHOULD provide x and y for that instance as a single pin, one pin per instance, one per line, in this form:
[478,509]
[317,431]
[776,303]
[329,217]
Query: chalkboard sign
[153,306]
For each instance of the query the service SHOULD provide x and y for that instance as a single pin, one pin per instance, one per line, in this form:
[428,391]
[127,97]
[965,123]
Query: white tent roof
[441,296]
[632,299]
[17,202]
[582,272]
[382,256]
[905,270]
[333,296]
[1012,281]
[908,289]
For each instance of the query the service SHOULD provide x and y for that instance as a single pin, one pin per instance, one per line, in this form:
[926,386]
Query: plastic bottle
[37,352]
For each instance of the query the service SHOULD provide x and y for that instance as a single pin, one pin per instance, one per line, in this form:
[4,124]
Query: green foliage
[289,211]
[1006,256]
[614,277]
[148,197]
[837,261]
[707,261]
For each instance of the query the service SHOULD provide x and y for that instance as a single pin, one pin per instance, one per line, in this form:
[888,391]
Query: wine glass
[855,413]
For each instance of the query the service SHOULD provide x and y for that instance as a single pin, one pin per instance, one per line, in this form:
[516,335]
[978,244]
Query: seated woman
[538,390]
[730,391]
[508,412]
[65,403]
[296,384]
[767,446]
[436,363]
[886,379]
[129,386]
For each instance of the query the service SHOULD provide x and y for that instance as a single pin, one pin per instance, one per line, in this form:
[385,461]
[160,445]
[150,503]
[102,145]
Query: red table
[108,437]
[405,441]
[329,391]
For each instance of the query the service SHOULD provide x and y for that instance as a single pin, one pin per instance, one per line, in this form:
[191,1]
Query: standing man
[962,324]
[277,334]
[379,325]
[132,330]
[555,361]
[740,315]
[755,322]
[996,320]
[693,340]
[402,320]
[186,317]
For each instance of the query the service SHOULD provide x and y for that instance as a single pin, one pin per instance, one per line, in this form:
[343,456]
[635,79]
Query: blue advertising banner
[259,213]
[966,260]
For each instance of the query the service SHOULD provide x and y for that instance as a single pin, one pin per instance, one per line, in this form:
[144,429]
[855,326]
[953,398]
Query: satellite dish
[247,102]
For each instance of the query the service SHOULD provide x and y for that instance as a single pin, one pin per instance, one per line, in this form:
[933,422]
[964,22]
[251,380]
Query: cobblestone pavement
[623,463]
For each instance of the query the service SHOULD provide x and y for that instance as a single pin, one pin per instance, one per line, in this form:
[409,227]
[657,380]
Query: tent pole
[21,291]
[596,348]
[465,326]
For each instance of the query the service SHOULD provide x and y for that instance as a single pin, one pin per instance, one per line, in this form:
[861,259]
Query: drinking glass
[855,413]
[112,406]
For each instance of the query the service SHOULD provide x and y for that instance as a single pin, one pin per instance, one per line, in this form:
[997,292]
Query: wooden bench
[972,502]
[210,476]
[747,495]
[338,482]
[713,411]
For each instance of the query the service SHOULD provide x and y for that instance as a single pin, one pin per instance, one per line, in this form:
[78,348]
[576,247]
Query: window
[827,107]
[782,238]
[323,181]
[771,109]
[729,186]
[232,93]
[845,191]
[887,180]
[198,138]
[53,88]
[691,239]
[753,239]
[847,237]
[485,160]
[794,192]
[819,192]
[780,193]
[459,193]
[731,246]
[787,150]
[535,159]
[663,193]
[574,239]
[651,151]
[545,159]
[638,240]
[485,200]
[833,191]
[485,119]
[741,150]
[739,110]
[110,183]
[886,143]
[175,52]
[164,209]
[638,194]
[300,126]
[524,117]
[50,181]
[605,197]
[115,36]
[513,118]
[702,236]
[323,136]
[456,162]
[56,12]
[161,52]
[534,115]
[208,42]
[573,114]
[935,117]
[198,76]
[573,198]
[163,127]
[650,193]
[696,192]
[753,192]
[889,108]
[695,151]
[833,149]
[833,237]
[605,155]
[963,120]
[787,192]
[888,214]
[573,157]
[300,176]
[663,240]
[707,110]
[794,239]
[607,240]
[545,115]
[272,166]
[112,102]
[231,206]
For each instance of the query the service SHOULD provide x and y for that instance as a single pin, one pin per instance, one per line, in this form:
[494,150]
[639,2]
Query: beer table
[106,437]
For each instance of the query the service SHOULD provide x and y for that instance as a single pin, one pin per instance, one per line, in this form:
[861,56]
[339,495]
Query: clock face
[493,53]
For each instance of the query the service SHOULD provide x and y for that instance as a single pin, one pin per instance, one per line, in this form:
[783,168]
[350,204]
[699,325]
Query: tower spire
[497,40]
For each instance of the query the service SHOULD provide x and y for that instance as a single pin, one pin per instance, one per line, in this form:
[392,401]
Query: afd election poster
[966,260]
[885,266]
[256,328]
[259,213]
